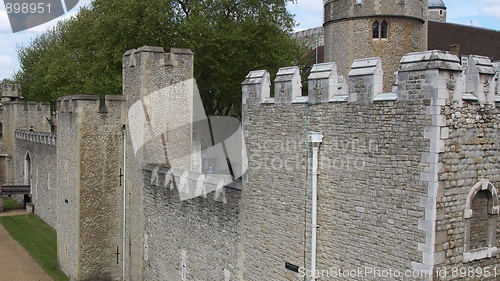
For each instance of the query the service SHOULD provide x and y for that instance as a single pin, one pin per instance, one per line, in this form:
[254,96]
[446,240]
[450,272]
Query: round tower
[388,29]
[437,10]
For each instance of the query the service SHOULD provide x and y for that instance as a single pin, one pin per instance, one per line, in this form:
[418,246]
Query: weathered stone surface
[40,148]
[208,232]
[89,153]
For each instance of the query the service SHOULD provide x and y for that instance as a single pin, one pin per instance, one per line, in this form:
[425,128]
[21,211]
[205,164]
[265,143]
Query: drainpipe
[316,139]
[124,130]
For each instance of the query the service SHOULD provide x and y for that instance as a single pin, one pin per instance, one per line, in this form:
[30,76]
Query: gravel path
[15,263]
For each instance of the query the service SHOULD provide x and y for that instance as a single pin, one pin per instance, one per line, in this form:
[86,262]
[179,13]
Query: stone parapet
[480,79]
[365,79]
[191,184]
[323,82]
[38,137]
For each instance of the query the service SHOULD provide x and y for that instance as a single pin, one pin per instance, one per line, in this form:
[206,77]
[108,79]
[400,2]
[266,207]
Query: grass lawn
[38,238]
[10,203]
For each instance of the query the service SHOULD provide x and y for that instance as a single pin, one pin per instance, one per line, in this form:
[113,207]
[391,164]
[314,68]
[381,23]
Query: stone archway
[480,214]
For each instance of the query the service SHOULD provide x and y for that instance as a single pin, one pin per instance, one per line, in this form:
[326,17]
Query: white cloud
[493,11]
[8,64]
[4,59]
[308,13]
[4,22]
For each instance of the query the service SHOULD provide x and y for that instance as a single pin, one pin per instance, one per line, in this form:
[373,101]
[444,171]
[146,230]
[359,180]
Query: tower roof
[437,4]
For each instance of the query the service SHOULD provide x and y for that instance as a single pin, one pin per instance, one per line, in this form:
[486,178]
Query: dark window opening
[384,30]
[376,30]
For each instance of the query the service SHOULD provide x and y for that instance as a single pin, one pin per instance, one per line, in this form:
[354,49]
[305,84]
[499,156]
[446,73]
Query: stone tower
[387,29]
[437,10]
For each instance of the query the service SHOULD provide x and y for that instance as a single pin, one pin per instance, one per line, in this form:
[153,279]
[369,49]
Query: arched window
[383,32]
[27,169]
[480,214]
[376,30]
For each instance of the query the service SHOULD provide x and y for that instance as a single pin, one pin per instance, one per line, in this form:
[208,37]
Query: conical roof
[437,4]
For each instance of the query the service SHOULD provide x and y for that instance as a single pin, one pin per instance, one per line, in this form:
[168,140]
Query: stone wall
[41,149]
[89,158]
[16,115]
[367,166]
[68,197]
[470,155]
[396,172]
[195,239]
[145,71]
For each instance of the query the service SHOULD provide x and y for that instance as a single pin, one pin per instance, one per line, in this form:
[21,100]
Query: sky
[308,14]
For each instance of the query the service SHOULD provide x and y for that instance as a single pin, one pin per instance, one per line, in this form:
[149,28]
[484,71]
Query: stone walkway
[15,263]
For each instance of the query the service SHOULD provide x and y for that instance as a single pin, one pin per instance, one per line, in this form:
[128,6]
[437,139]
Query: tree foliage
[229,39]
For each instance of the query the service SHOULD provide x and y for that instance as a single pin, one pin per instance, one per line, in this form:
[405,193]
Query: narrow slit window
[376,30]
[384,29]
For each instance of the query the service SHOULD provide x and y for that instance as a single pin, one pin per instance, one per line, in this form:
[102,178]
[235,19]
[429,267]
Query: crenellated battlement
[136,56]
[11,92]
[30,106]
[191,184]
[37,137]
[432,75]
[88,103]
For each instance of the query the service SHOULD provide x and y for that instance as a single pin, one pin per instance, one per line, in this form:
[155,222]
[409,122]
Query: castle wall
[204,231]
[470,155]
[89,160]
[68,197]
[367,165]
[41,148]
[18,116]
[148,70]
[396,172]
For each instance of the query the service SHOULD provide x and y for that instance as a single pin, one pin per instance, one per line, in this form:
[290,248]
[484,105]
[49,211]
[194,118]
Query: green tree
[229,39]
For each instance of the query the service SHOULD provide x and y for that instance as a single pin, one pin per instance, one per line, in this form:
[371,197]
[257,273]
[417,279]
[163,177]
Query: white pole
[316,139]
[124,201]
